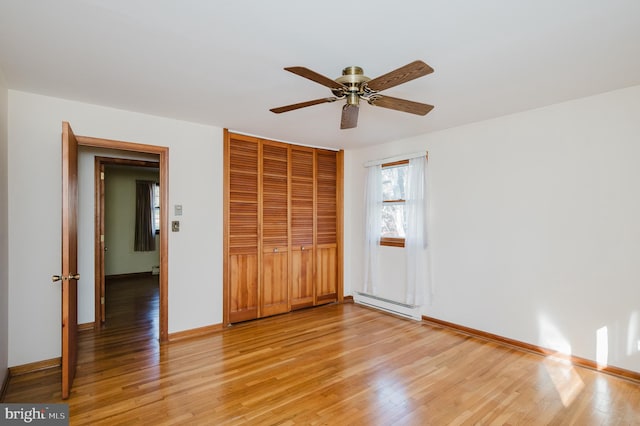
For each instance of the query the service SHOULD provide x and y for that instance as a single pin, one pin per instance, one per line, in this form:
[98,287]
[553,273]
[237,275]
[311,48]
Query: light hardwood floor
[336,364]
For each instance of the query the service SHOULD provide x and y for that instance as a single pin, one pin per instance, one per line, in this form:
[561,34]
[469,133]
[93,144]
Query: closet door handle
[302,248]
[275,250]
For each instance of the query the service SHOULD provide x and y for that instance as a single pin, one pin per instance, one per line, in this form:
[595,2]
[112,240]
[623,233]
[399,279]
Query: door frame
[163,153]
[100,162]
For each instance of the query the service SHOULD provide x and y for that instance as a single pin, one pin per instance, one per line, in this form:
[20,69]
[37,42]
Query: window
[394,219]
[156,207]
[396,206]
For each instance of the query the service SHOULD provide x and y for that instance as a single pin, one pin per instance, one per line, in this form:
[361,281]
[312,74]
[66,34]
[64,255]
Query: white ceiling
[221,62]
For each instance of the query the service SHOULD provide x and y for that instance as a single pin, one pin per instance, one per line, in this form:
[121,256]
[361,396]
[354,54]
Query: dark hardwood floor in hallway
[336,364]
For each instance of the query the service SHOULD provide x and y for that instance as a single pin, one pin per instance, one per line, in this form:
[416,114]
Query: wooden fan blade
[302,105]
[401,75]
[401,105]
[314,76]
[349,118]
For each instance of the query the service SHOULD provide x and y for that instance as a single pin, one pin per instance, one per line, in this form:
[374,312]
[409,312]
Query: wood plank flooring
[332,365]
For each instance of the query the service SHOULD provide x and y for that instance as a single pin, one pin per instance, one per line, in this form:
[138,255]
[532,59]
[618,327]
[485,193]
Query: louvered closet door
[275,225]
[326,227]
[243,228]
[302,244]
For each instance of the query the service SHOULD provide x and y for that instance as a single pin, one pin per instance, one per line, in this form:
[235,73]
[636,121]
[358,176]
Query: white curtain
[373,205]
[419,289]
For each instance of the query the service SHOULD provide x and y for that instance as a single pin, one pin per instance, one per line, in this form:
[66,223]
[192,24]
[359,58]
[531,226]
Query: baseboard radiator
[391,306]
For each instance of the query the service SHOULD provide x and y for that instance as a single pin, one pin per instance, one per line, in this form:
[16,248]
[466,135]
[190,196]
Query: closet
[282,227]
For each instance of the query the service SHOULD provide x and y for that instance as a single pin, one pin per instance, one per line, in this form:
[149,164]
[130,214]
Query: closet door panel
[275,229]
[301,278]
[327,277]
[244,286]
[302,239]
[242,232]
[326,227]
[275,276]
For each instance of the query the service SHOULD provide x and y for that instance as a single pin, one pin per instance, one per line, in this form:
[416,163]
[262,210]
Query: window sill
[392,242]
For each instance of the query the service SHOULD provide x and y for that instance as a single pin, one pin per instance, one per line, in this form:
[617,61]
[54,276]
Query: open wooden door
[69,276]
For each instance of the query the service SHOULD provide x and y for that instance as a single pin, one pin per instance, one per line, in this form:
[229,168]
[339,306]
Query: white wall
[534,225]
[4,226]
[195,253]
[120,222]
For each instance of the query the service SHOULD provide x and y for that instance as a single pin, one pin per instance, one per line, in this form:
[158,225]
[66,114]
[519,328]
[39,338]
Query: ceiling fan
[353,86]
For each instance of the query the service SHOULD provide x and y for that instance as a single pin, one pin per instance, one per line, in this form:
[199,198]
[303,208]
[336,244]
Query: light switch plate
[177,210]
[175,226]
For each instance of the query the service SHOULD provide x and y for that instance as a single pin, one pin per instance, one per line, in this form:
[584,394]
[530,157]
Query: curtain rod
[396,158]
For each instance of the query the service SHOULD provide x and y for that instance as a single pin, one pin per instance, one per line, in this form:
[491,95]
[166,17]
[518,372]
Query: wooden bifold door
[283,227]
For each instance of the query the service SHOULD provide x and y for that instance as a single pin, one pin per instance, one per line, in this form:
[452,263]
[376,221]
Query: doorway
[162,164]
[119,263]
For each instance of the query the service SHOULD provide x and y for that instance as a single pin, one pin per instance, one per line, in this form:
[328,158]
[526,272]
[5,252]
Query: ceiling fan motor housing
[354,80]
